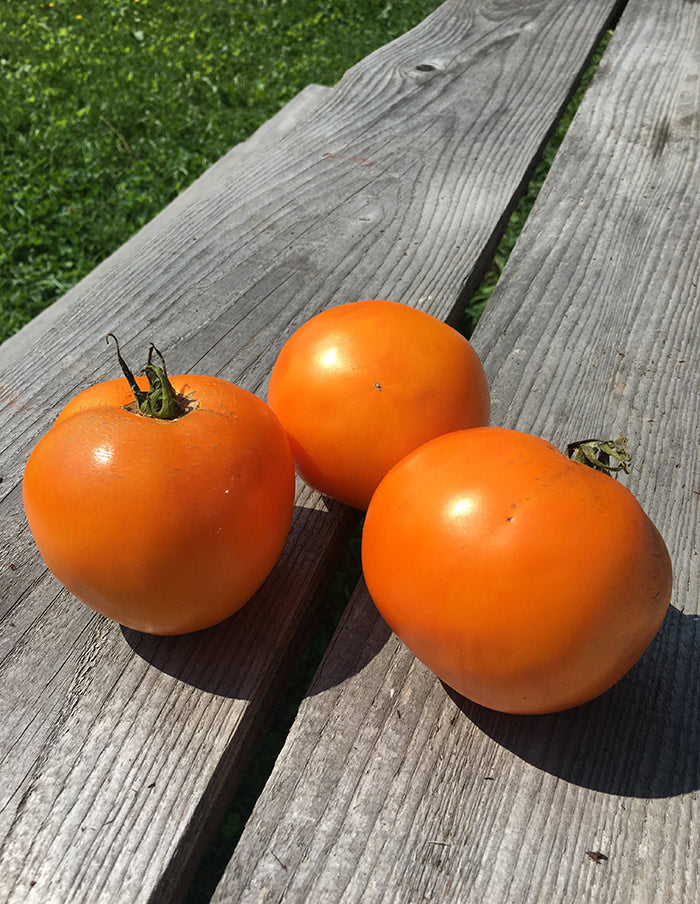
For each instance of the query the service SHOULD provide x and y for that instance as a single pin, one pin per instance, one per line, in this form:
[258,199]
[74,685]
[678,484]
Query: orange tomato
[166,526]
[361,385]
[527,582]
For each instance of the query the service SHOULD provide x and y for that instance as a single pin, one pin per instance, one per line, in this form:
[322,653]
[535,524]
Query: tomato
[361,385]
[166,526]
[527,582]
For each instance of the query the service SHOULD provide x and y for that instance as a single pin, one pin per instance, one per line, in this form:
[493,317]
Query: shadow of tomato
[639,739]
[253,652]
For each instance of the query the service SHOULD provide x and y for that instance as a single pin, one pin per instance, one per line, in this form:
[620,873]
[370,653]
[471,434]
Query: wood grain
[391,788]
[119,751]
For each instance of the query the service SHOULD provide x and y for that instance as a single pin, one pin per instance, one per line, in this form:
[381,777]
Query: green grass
[110,108]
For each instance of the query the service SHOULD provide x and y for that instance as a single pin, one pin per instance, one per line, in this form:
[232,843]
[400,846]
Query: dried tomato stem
[596,453]
[160,401]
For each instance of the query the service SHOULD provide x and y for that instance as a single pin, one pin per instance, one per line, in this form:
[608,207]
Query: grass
[110,108]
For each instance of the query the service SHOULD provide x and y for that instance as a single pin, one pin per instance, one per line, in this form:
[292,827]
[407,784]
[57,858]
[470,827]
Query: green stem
[160,400]
[596,453]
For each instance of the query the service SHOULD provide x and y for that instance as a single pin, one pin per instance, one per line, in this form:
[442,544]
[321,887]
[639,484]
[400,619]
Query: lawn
[110,108]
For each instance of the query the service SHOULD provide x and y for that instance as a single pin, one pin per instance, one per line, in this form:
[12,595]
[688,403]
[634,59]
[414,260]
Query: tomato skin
[525,581]
[164,526]
[359,386]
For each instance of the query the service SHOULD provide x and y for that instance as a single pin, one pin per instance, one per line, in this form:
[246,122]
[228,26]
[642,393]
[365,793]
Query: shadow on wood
[637,740]
[226,659]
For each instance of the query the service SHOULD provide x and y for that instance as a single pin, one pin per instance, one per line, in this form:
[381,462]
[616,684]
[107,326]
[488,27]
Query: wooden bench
[120,752]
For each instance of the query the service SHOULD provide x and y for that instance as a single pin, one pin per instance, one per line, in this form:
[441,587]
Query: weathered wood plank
[117,750]
[391,788]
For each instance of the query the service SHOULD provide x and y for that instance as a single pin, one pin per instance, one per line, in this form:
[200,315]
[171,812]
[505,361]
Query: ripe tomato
[361,385]
[527,582]
[166,526]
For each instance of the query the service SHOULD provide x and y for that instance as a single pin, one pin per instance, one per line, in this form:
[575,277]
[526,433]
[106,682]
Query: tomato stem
[596,453]
[160,400]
